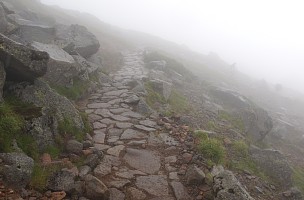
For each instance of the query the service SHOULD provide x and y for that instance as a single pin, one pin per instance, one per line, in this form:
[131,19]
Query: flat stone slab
[107,121]
[93,117]
[132,134]
[103,112]
[115,194]
[115,151]
[118,183]
[103,169]
[128,174]
[156,185]
[123,125]
[132,115]
[143,160]
[136,194]
[115,93]
[120,118]
[99,136]
[144,128]
[98,105]
[179,190]
[98,125]
[119,110]
[148,123]
[101,147]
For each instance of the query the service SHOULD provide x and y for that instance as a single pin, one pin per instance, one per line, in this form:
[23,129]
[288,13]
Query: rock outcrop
[257,122]
[2,79]
[16,168]
[227,187]
[76,39]
[22,63]
[274,164]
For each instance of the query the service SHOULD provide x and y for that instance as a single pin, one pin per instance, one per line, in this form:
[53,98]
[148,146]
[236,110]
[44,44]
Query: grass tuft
[298,178]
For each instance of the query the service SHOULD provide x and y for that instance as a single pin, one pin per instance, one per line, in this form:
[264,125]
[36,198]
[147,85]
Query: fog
[264,38]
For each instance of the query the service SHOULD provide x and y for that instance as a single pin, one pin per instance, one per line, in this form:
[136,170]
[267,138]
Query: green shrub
[201,134]
[213,149]
[298,178]
[41,174]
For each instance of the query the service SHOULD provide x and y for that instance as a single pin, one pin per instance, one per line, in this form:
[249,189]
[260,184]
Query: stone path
[139,162]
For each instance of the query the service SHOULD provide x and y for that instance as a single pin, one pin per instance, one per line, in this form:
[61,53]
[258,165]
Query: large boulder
[257,122]
[95,189]
[2,79]
[22,63]
[162,87]
[227,187]
[274,164]
[63,180]
[76,39]
[16,168]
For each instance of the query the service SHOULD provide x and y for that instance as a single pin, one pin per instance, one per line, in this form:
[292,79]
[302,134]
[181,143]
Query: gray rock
[103,169]
[77,38]
[143,160]
[4,24]
[84,170]
[116,150]
[120,118]
[256,121]
[195,176]
[180,191]
[293,194]
[132,134]
[95,189]
[2,79]
[99,136]
[62,180]
[274,164]
[162,87]
[227,187]
[148,123]
[132,115]
[98,125]
[156,185]
[119,183]
[16,169]
[92,161]
[143,108]
[133,99]
[22,63]
[144,128]
[135,194]
[116,194]
[73,146]
[124,125]
[115,92]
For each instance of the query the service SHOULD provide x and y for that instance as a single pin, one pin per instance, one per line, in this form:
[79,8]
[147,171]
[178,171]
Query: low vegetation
[178,102]
[235,122]
[298,178]
[211,148]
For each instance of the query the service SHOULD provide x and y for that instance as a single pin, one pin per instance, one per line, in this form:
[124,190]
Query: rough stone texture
[162,87]
[156,185]
[135,194]
[2,79]
[22,63]
[92,161]
[73,146]
[143,108]
[148,123]
[16,169]
[124,125]
[195,176]
[274,164]
[143,160]
[132,134]
[104,168]
[115,151]
[292,194]
[180,191]
[144,128]
[116,194]
[99,136]
[119,183]
[227,187]
[3,21]
[84,170]
[95,189]
[257,122]
[77,38]
[61,181]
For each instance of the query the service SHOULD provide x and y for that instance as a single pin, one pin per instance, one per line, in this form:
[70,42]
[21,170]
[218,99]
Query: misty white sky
[264,37]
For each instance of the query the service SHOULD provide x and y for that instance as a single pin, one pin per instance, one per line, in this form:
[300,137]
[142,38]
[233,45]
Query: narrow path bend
[140,160]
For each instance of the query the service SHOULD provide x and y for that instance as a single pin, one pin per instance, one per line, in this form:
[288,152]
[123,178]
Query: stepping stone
[115,151]
[144,128]
[107,121]
[99,136]
[115,93]
[98,125]
[156,185]
[115,194]
[115,101]
[128,174]
[118,183]
[94,117]
[173,176]
[89,111]
[132,134]
[137,143]
[112,139]
[103,112]
[118,110]
[148,123]
[123,125]
[101,147]
[103,169]
[115,161]
[143,160]
[115,132]
[179,190]
[132,115]
[98,105]
[133,99]
[120,118]
[135,194]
